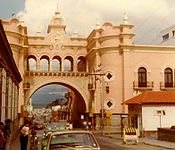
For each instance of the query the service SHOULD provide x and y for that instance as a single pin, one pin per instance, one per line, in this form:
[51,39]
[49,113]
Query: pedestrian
[2,138]
[7,133]
[24,135]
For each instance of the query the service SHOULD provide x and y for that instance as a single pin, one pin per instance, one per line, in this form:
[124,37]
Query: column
[38,65]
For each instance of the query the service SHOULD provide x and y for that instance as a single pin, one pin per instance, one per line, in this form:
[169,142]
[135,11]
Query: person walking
[7,133]
[24,136]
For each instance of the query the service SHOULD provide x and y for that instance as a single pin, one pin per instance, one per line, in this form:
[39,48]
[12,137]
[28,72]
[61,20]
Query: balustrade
[146,85]
[34,73]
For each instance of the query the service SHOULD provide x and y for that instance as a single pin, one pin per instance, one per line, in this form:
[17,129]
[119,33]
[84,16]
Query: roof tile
[153,97]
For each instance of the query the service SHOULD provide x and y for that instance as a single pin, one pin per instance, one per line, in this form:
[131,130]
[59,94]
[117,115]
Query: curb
[161,146]
[151,143]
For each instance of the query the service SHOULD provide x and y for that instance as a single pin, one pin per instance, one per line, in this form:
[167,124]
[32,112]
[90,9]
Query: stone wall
[166,134]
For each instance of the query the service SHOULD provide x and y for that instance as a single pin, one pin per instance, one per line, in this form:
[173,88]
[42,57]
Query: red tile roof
[153,97]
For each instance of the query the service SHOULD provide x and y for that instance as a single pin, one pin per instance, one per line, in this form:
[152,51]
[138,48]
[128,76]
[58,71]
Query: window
[56,65]
[81,64]
[142,77]
[168,75]
[165,37]
[173,32]
[32,64]
[44,65]
[68,64]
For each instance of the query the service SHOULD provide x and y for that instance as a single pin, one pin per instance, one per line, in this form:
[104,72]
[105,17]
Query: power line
[158,24]
[152,13]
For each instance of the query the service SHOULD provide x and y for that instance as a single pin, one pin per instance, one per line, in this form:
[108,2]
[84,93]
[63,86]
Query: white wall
[151,121]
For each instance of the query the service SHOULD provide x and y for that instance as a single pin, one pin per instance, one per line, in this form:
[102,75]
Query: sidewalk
[155,142]
[149,141]
[15,144]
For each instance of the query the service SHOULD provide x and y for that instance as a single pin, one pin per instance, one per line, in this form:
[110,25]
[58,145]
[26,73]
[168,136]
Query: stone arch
[80,104]
[67,83]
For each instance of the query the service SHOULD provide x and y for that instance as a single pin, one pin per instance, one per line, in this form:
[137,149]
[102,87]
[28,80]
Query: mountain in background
[45,98]
[49,93]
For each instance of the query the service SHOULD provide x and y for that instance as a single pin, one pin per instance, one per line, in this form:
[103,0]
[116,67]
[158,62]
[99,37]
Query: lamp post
[102,102]
[101,93]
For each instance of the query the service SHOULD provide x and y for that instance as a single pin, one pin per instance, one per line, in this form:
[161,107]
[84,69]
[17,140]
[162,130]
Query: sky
[49,93]
[149,17]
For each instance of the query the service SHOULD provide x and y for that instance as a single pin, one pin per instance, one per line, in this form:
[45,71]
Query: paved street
[115,143]
[107,143]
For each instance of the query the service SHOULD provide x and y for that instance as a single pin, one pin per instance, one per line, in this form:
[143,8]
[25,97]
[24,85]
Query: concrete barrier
[130,135]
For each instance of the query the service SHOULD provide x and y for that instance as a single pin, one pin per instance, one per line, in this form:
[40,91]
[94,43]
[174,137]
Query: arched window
[81,66]
[44,63]
[68,64]
[56,63]
[31,63]
[142,77]
[168,77]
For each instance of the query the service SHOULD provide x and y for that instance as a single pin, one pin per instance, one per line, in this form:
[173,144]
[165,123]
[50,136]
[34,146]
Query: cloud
[149,17]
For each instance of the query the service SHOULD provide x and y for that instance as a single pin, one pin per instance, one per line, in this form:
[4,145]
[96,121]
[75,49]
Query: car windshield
[73,140]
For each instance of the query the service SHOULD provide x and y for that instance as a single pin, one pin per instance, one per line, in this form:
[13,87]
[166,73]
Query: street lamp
[101,92]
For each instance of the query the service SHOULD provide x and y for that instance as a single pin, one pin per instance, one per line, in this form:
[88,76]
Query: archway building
[105,69]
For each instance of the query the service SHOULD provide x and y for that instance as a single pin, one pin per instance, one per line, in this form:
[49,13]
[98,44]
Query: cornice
[101,39]
[63,46]
[36,37]
[18,45]
[130,26]
[91,53]
[39,45]
[90,44]
[107,49]
[92,34]
[78,38]
[107,37]
[74,46]
[147,47]
[16,34]
[126,34]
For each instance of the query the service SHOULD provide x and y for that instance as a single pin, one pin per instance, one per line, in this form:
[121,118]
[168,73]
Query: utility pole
[101,92]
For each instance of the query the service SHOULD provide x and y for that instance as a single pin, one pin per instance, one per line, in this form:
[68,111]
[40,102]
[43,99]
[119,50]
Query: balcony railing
[167,86]
[143,85]
[65,73]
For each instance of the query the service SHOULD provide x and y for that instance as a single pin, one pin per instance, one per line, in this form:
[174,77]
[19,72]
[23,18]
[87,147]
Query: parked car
[56,126]
[70,139]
